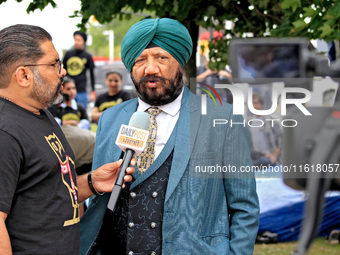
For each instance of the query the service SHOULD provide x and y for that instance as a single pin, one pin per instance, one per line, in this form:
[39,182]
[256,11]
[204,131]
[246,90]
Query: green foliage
[291,4]
[36,4]
[100,46]
[251,18]
[312,19]
[280,18]
[319,246]
[39,4]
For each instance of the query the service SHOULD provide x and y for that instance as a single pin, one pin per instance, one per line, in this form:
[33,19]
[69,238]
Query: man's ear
[24,76]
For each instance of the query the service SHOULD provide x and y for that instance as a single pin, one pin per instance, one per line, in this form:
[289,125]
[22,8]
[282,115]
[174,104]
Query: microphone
[132,139]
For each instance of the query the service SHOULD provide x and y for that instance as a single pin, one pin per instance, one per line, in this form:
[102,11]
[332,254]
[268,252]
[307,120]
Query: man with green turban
[166,33]
[173,205]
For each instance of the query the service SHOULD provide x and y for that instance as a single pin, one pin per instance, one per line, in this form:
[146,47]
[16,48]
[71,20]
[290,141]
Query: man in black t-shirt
[39,190]
[76,62]
[111,98]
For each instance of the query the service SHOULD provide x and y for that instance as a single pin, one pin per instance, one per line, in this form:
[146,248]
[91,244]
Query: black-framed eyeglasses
[58,61]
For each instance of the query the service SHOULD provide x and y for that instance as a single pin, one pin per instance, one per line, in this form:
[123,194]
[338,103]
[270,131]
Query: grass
[93,127]
[320,246]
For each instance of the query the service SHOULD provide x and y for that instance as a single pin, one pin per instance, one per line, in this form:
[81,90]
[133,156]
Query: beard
[170,88]
[43,92]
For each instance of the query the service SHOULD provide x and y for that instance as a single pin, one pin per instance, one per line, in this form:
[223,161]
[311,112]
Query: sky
[55,21]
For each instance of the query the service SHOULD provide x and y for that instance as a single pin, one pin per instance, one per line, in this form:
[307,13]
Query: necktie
[146,157]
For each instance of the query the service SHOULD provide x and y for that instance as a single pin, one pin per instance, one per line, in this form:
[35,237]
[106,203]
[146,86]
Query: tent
[282,209]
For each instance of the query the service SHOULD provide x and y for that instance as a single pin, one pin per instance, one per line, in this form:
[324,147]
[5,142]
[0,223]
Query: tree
[312,19]
[100,46]
[194,13]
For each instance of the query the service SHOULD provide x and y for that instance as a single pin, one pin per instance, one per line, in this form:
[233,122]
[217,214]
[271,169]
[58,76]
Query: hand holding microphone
[102,179]
[106,176]
[132,139]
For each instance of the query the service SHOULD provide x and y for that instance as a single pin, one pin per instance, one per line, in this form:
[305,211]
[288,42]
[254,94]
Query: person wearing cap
[172,205]
[77,62]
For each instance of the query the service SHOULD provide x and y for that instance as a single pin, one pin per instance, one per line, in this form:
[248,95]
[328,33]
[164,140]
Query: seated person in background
[266,139]
[111,98]
[212,77]
[82,142]
[70,112]
[205,74]
[72,118]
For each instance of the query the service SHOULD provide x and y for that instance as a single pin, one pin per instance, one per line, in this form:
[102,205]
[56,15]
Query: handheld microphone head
[132,139]
[135,135]
[140,120]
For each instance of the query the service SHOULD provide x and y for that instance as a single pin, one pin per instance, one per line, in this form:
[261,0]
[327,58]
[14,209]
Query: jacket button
[154,194]
[153,253]
[131,224]
[153,225]
[130,253]
[132,194]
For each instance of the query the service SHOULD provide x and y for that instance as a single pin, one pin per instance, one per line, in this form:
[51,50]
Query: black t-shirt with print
[105,101]
[76,62]
[68,113]
[38,186]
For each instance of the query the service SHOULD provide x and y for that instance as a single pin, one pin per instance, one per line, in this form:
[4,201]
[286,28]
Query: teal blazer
[203,213]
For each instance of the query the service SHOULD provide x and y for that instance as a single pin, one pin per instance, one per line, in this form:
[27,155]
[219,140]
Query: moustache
[152,78]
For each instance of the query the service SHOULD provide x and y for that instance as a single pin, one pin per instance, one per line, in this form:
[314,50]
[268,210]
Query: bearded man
[170,208]
[39,190]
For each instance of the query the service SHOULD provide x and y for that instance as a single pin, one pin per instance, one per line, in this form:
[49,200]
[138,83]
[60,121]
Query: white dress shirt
[166,120]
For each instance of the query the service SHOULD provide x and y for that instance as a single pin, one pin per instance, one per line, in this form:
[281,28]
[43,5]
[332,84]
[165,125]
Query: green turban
[169,34]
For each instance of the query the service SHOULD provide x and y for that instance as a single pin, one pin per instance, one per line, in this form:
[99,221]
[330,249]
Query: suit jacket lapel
[125,117]
[186,135]
[187,128]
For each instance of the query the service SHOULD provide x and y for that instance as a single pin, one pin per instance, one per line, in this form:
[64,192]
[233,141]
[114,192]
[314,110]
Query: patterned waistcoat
[135,228]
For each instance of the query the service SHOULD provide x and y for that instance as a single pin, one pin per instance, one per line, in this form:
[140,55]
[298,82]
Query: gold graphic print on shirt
[75,65]
[106,105]
[65,167]
[71,116]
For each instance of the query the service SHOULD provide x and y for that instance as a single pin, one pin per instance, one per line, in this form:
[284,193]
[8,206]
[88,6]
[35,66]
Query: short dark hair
[114,72]
[20,44]
[82,34]
[67,79]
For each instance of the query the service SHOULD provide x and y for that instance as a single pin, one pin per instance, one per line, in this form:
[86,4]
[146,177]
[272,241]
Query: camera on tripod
[267,60]
[311,147]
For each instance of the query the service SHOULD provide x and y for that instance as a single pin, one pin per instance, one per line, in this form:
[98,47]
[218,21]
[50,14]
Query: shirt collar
[170,108]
